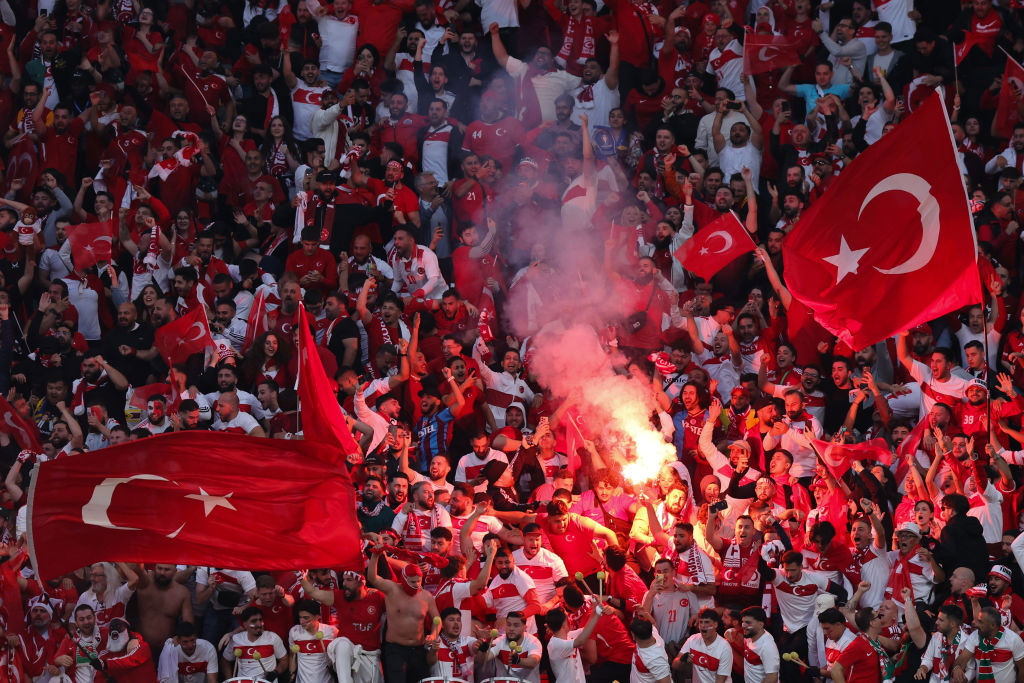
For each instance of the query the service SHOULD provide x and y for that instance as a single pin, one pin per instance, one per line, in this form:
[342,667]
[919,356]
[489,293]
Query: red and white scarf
[579,43]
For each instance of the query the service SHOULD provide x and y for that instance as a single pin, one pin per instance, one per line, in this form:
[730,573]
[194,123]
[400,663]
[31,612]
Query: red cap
[741,390]
[923,328]
[712,17]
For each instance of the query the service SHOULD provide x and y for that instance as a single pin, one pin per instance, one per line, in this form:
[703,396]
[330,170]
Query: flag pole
[988,393]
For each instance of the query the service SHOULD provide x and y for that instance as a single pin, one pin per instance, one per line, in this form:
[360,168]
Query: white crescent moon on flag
[764,57]
[726,240]
[199,331]
[927,207]
[95,511]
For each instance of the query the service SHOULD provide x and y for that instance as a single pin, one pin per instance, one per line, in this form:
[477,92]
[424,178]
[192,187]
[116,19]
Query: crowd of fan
[431,180]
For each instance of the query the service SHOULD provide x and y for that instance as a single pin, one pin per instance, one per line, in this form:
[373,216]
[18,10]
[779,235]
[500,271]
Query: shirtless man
[162,602]
[408,607]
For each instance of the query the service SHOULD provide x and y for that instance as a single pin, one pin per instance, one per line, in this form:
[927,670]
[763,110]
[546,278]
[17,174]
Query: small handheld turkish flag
[717,245]
[91,243]
[322,419]
[766,52]
[201,498]
[891,244]
[181,338]
[839,456]
[1011,99]
[21,430]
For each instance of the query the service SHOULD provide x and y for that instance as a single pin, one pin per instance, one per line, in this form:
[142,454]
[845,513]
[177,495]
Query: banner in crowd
[763,52]
[1011,97]
[891,244]
[24,432]
[201,498]
[838,457]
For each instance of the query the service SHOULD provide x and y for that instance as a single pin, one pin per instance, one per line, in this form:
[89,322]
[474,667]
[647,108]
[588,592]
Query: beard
[117,641]
[643,280]
[662,244]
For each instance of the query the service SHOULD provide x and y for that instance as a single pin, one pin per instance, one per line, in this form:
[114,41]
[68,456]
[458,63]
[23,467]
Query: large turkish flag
[179,339]
[891,244]
[201,498]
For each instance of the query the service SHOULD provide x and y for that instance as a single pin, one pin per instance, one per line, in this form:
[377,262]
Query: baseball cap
[823,602]
[976,383]
[532,529]
[712,18]
[740,443]
[1002,571]
[910,528]
[741,390]
[326,176]
[923,328]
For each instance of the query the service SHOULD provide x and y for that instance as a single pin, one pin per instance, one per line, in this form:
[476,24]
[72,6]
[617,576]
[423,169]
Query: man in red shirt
[492,134]
[401,126]
[59,148]
[858,662]
[315,267]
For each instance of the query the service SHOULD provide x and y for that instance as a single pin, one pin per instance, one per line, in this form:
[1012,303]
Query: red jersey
[498,139]
[359,620]
[404,131]
[472,206]
[60,150]
[322,260]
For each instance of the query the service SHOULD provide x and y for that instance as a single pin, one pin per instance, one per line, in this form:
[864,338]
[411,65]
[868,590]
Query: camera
[735,106]
[720,506]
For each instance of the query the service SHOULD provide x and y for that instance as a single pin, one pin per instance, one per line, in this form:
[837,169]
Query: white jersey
[110,606]
[268,646]
[177,667]
[760,658]
[950,392]
[727,66]
[243,423]
[941,652]
[796,600]
[470,467]
[418,276]
[596,101]
[874,568]
[454,659]
[312,654]
[650,664]
[509,595]
[671,611]
[485,524]
[709,661]
[531,647]
[306,99]
[545,568]
[1008,651]
[415,527]
[565,659]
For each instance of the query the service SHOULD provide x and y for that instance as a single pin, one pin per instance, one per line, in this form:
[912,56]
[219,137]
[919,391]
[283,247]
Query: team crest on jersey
[371,610]
[421,271]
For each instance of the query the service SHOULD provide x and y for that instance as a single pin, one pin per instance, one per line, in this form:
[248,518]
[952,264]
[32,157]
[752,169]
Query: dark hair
[710,613]
[952,612]
[555,619]
[308,605]
[641,629]
[249,612]
[957,502]
[756,613]
[792,557]
[449,611]
[185,629]
[832,616]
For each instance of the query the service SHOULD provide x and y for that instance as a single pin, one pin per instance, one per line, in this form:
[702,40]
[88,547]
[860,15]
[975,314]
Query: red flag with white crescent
[715,246]
[1011,99]
[24,432]
[320,411]
[181,338]
[257,323]
[91,243]
[891,244]
[839,456]
[194,497]
[766,52]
